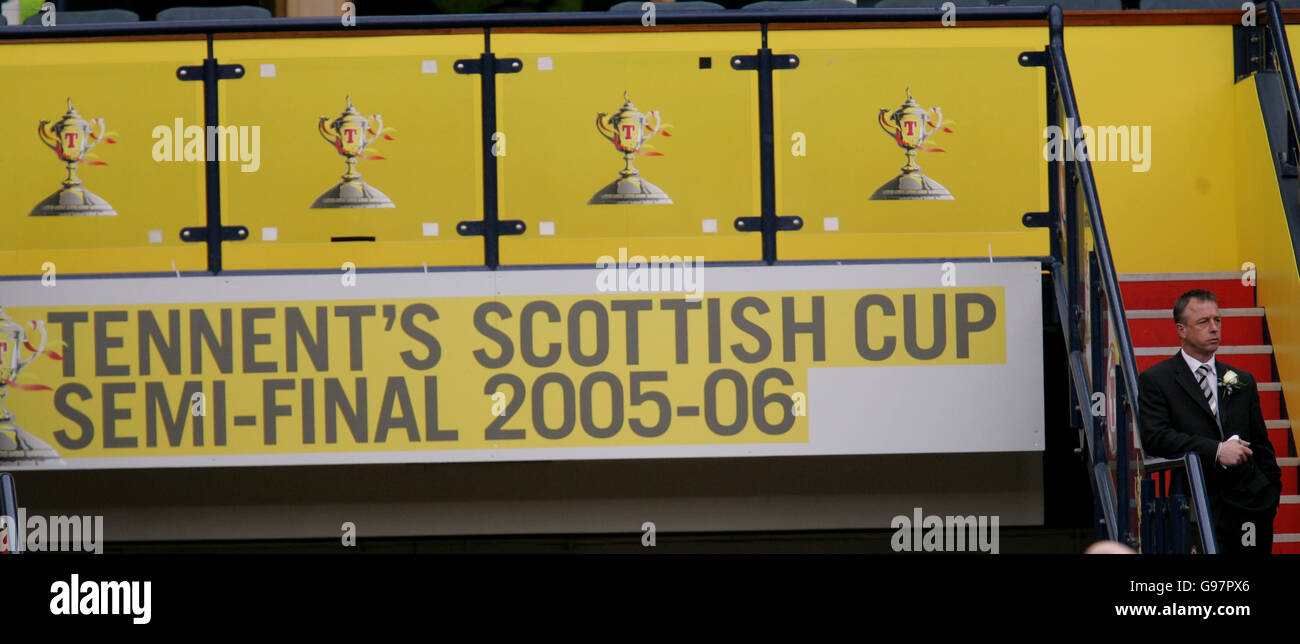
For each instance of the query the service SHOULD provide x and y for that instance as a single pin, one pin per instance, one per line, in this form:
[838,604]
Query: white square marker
[428,67]
[709,225]
[155,237]
[546,228]
[545,63]
[430,229]
[268,70]
[831,224]
[270,233]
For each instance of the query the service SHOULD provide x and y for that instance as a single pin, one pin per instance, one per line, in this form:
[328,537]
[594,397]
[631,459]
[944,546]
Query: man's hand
[1234,452]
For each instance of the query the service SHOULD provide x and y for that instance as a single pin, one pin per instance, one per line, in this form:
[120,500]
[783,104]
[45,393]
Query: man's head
[1196,317]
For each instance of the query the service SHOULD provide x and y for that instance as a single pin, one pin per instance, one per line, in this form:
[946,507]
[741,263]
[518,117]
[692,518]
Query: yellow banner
[614,369]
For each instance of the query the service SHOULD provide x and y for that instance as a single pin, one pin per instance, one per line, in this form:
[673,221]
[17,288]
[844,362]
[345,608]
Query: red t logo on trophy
[628,129]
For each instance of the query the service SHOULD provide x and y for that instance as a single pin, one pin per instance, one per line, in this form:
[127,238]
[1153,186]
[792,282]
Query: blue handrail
[1191,463]
[1282,49]
[1078,311]
[1285,68]
[1083,169]
[9,510]
[556,19]
[1071,269]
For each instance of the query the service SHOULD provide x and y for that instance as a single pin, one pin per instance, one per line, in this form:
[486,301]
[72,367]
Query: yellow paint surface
[104,81]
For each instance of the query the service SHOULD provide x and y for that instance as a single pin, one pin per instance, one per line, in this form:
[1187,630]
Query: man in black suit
[1192,402]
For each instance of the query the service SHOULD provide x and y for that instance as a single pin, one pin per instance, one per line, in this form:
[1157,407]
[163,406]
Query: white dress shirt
[1195,364]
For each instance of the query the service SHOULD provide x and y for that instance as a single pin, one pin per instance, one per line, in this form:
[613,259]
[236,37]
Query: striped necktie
[1207,385]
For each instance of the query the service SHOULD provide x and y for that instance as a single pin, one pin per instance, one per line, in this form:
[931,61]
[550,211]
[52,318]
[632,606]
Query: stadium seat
[87,17]
[797,5]
[635,5]
[213,13]
[1072,5]
[928,4]
[1198,5]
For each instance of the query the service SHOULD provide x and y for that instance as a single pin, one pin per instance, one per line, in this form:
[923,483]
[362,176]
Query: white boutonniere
[1230,382]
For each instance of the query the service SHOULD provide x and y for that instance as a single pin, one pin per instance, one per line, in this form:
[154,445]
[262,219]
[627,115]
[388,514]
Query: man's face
[1199,329]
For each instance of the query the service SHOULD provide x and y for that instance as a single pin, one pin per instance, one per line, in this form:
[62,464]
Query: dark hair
[1195,294]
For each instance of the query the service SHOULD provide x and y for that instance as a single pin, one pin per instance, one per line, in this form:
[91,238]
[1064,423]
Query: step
[1270,403]
[1290,474]
[1280,437]
[1160,290]
[1286,544]
[1155,327]
[1270,399]
[1257,359]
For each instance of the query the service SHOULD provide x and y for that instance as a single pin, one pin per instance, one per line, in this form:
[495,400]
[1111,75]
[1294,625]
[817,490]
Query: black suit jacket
[1176,418]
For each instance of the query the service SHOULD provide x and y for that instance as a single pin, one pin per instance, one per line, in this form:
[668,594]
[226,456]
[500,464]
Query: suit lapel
[1188,382]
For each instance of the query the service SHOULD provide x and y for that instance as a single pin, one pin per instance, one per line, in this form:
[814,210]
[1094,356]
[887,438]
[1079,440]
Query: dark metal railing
[1103,366]
[1281,51]
[541,20]
[1275,57]
[1173,536]
[13,537]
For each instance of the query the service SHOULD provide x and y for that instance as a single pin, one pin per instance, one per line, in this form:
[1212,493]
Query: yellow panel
[1183,90]
[1265,240]
[556,159]
[143,203]
[982,116]
[430,173]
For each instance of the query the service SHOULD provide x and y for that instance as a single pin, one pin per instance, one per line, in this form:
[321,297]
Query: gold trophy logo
[911,126]
[628,129]
[16,443]
[72,138]
[350,134]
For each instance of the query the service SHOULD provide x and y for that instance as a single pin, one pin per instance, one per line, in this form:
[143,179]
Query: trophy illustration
[911,126]
[71,138]
[629,129]
[16,443]
[350,134]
